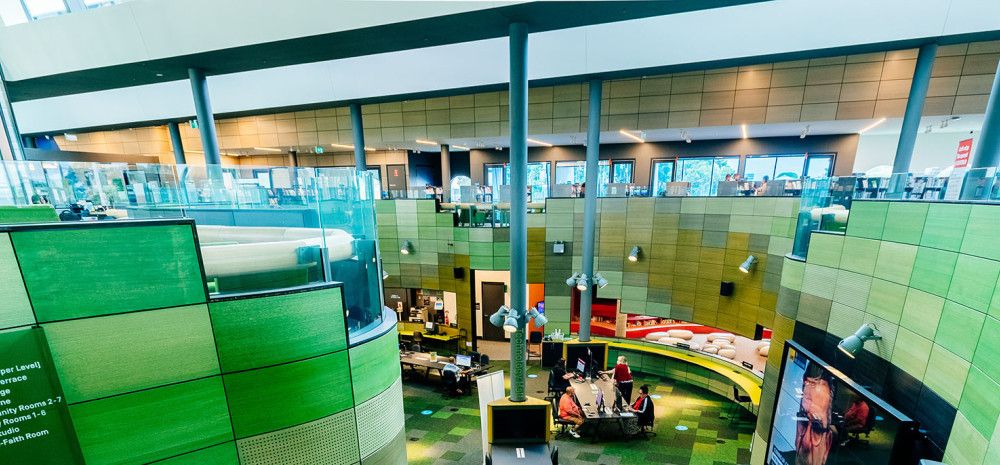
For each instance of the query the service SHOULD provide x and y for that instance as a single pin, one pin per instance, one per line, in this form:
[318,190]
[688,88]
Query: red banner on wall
[964,151]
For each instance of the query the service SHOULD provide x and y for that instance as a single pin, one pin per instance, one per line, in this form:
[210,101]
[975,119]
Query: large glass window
[571,172]
[819,166]
[792,166]
[496,174]
[44,8]
[663,172]
[704,174]
[538,178]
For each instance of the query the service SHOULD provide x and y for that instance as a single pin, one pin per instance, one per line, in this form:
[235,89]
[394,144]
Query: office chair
[484,360]
[449,383]
[554,455]
[402,346]
[646,421]
[739,400]
[475,357]
[554,391]
[418,338]
[563,425]
[535,339]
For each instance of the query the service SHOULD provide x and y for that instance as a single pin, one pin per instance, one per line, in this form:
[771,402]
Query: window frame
[739,168]
[652,173]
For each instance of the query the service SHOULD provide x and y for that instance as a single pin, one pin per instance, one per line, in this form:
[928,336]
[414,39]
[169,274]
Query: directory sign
[34,421]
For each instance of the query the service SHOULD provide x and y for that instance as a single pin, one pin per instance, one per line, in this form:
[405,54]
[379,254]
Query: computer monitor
[581,365]
[600,400]
[431,327]
[463,360]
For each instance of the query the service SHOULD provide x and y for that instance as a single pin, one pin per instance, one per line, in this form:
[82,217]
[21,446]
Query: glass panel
[789,167]
[12,12]
[571,172]
[818,166]
[663,172]
[623,171]
[758,167]
[376,178]
[42,8]
[723,167]
[538,180]
[495,175]
[698,172]
[98,3]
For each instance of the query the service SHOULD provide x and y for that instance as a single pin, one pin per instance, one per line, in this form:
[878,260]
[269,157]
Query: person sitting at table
[570,411]
[558,378]
[623,378]
[643,406]
[462,376]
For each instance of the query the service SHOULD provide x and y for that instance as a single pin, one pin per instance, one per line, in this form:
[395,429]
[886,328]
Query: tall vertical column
[358,131]
[206,120]
[590,204]
[10,122]
[176,143]
[988,148]
[914,108]
[518,205]
[445,173]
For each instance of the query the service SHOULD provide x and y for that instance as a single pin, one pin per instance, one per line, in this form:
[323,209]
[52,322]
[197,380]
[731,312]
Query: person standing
[623,378]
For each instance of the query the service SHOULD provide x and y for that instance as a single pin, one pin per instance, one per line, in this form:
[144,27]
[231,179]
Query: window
[538,178]
[571,172]
[819,166]
[663,172]
[496,174]
[787,166]
[376,181]
[13,12]
[704,174]
[98,3]
[44,8]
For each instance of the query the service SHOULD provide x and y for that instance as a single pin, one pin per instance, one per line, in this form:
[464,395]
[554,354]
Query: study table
[586,395]
[424,360]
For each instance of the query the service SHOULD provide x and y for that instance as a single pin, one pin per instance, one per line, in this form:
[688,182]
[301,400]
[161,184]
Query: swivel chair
[646,422]
[535,339]
[449,383]
[739,400]
[418,338]
[563,425]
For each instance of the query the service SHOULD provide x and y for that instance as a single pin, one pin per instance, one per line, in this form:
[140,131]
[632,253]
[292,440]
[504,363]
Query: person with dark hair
[558,378]
[814,431]
[643,406]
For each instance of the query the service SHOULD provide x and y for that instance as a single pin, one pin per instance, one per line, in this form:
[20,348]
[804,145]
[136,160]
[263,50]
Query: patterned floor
[446,431]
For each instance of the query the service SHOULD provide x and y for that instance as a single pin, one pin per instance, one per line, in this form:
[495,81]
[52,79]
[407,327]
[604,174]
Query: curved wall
[926,275]
[144,367]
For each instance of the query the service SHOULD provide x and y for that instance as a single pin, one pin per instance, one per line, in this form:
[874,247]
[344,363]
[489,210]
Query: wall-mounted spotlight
[540,318]
[582,283]
[498,317]
[852,344]
[385,275]
[804,133]
[633,256]
[558,247]
[571,281]
[600,281]
[748,264]
[405,247]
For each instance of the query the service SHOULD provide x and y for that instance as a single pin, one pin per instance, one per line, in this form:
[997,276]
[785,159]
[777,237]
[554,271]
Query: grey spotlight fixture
[405,247]
[540,318]
[385,275]
[558,247]
[852,344]
[498,318]
[748,264]
[600,281]
[510,324]
[633,256]
[582,283]
[805,132]
[571,281]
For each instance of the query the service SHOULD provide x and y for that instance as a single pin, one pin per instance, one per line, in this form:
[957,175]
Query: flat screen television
[822,417]
[527,424]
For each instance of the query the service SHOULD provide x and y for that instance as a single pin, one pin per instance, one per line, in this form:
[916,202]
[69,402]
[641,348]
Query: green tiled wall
[926,275]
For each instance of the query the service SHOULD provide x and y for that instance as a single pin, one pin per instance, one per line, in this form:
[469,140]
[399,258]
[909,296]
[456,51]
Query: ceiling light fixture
[267,149]
[805,132]
[870,126]
[631,136]
[685,136]
[342,146]
[460,147]
[538,142]
[743,130]
[427,142]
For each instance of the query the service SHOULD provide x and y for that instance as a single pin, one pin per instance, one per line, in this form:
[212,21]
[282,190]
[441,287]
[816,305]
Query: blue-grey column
[358,130]
[176,143]
[988,147]
[590,204]
[10,122]
[518,205]
[914,108]
[206,120]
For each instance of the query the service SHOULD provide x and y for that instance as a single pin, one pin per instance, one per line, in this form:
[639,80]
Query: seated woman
[558,378]
[643,407]
[570,411]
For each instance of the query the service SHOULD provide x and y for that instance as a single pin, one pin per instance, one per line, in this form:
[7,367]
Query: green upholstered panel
[932,270]
[263,331]
[867,219]
[921,312]
[79,272]
[904,222]
[222,454]
[981,232]
[15,309]
[946,373]
[980,402]
[393,453]
[974,280]
[10,214]
[959,329]
[149,425]
[269,399]
[99,357]
[375,364]
[895,262]
[987,356]
[945,226]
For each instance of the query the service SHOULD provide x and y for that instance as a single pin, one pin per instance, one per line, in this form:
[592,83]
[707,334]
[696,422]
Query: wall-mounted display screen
[824,418]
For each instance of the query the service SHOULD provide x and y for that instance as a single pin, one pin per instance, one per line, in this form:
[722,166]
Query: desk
[586,394]
[435,337]
[513,454]
[423,360]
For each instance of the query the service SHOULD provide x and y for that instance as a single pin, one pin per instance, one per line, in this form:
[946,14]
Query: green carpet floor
[442,430]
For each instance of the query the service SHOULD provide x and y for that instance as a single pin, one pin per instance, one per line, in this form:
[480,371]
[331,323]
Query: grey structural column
[176,143]
[914,108]
[358,130]
[206,120]
[445,173]
[10,122]
[988,148]
[518,206]
[590,204]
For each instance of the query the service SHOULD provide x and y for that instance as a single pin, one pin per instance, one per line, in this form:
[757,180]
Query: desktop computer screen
[463,360]
[581,365]
[431,327]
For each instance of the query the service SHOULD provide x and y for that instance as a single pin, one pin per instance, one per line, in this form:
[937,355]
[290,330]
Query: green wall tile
[886,300]
[377,363]
[911,353]
[974,281]
[921,312]
[153,424]
[971,449]
[10,214]
[277,397]
[867,219]
[826,249]
[981,232]
[932,270]
[904,222]
[981,402]
[895,262]
[987,356]
[946,373]
[860,255]
[16,310]
[223,454]
[262,331]
[123,275]
[945,226]
[99,357]
[959,328]
[852,289]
